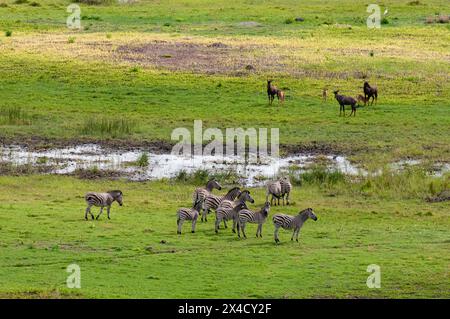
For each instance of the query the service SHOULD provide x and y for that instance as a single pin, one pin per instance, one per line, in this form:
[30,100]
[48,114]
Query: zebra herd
[229,207]
[233,207]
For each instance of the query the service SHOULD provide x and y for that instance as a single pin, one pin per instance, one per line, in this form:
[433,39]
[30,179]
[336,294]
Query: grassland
[135,72]
[44,231]
[157,77]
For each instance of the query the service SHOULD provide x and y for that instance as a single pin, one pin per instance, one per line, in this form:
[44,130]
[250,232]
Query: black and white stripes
[212,201]
[292,222]
[184,214]
[247,216]
[102,200]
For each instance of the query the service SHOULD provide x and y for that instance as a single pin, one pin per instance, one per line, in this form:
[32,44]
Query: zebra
[212,201]
[286,188]
[274,188]
[201,193]
[292,222]
[102,200]
[248,216]
[228,209]
[188,214]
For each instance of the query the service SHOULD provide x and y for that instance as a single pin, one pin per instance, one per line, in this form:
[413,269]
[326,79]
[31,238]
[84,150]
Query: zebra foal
[247,216]
[292,222]
[102,200]
[184,214]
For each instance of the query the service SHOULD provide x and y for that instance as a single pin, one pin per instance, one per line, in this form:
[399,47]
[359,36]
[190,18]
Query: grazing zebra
[201,193]
[212,201]
[248,216]
[286,188]
[102,200]
[228,209]
[188,214]
[274,188]
[292,222]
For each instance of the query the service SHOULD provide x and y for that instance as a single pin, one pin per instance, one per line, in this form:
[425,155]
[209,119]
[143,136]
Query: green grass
[44,231]
[407,59]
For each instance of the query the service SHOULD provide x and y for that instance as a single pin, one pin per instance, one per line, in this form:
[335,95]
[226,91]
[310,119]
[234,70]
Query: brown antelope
[343,101]
[361,98]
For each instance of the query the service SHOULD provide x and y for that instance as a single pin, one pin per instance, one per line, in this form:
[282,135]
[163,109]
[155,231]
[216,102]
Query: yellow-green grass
[43,231]
[62,78]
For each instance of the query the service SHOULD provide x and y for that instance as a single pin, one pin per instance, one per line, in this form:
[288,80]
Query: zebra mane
[232,190]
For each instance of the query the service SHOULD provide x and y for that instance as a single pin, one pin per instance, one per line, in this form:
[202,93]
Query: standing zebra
[274,188]
[188,214]
[292,222]
[248,216]
[201,193]
[286,188]
[213,201]
[228,209]
[102,200]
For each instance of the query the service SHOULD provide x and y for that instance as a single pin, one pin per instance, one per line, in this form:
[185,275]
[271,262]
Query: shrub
[106,126]
[8,33]
[384,21]
[71,40]
[14,116]
[20,1]
[142,160]
[320,175]
[35,4]
[3,5]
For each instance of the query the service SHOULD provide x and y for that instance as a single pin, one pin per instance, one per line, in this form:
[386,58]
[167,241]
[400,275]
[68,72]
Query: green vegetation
[135,71]
[105,126]
[44,231]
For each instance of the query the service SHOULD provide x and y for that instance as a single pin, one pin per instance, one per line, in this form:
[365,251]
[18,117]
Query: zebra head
[213,184]
[309,213]
[117,196]
[245,197]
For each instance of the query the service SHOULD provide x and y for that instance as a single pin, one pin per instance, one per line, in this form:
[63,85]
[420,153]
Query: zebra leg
[239,229]
[298,232]
[180,223]
[287,199]
[194,222]
[204,212]
[260,230]
[243,230]
[107,211]
[216,225]
[88,210]
[234,226]
[225,224]
[293,234]
[101,211]
[283,200]
[275,234]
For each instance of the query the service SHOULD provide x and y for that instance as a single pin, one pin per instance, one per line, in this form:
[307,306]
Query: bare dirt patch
[206,58]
